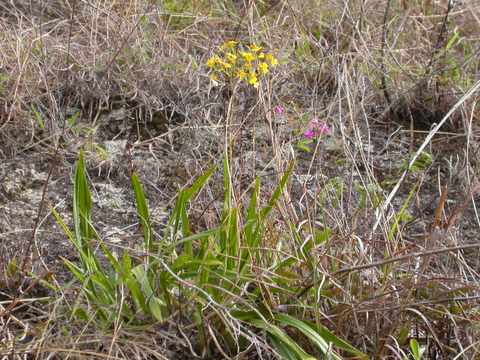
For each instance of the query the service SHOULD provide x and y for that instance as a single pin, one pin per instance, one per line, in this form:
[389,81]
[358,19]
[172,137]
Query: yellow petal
[211,62]
[252,79]
[263,68]
[231,57]
[241,74]
[247,56]
[255,48]
[230,44]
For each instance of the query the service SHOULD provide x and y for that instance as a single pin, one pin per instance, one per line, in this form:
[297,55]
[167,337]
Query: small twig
[406,257]
[125,40]
[441,35]
[382,54]
[427,140]
[389,261]
[422,303]
[53,164]
[16,300]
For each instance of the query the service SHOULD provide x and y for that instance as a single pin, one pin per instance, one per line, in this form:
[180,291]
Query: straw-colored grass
[329,210]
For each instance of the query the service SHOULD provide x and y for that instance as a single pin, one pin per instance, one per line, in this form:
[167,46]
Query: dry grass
[392,269]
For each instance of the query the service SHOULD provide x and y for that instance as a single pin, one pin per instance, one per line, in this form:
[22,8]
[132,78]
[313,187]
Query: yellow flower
[255,48]
[270,58]
[224,64]
[247,56]
[241,74]
[252,79]
[212,62]
[247,65]
[232,58]
[245,62]
[230,44]
[263,68]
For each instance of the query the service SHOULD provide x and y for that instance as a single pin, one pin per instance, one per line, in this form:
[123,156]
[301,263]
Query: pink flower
[279,110]
[309,134]
[316,128]
[324,129]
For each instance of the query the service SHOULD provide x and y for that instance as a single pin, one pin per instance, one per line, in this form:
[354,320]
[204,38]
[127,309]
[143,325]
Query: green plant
[205,273]
[38,117]
[3,81]
[402,216]
[423,161]
[179,14]
[368,193]
[104,285]
[416,350]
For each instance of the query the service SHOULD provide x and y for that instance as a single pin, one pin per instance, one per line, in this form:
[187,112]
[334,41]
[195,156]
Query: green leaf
[276,332]
[252,218]
[285,346]
[416,350]
[141,287]
[82,205]
[81,314]
[179,215]
[321,237]
[201,235]
[186,263]
[155,305]
[328,336]
[453,39]
[113,261]
[308,331]
[233,240]
[277,193]
[401,214]
[65,229]
[106,284]
[38,117]
[71,238]
[199,183]
[320,336]
[282,349]
[71,120]
[403,334]
[423,161]
[12,268]
[137,294]
[75,270]
[304,145]
[142,212]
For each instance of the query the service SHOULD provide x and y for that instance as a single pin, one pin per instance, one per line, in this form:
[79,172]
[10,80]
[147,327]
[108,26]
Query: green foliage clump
[212,275]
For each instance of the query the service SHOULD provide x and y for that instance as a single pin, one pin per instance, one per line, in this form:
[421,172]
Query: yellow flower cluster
[245,63]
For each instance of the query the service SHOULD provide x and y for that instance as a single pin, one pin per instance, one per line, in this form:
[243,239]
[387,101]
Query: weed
[345,255]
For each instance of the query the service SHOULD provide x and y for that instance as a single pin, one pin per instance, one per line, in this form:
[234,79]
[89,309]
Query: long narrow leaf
[310,333]
[320,336]
[278,333]
[142,212]
[252,215]
[277,193]
[82,203]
